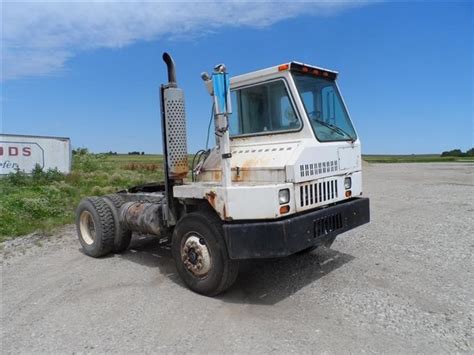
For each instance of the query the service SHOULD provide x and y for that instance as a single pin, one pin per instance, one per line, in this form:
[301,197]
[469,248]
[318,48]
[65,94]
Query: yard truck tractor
[284,177]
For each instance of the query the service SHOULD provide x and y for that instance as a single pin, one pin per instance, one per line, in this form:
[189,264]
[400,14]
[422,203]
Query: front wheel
[200,254]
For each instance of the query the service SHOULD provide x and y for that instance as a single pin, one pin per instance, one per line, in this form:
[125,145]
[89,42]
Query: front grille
[318,192]
[328,224]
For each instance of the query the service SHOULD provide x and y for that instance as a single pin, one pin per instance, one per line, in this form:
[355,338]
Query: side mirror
[221,85]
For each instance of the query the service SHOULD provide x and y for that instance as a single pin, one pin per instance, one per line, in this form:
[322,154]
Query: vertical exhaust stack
[173,129]
[173,125]
[171,70]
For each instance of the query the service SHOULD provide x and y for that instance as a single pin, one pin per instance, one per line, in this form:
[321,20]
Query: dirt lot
[403,283]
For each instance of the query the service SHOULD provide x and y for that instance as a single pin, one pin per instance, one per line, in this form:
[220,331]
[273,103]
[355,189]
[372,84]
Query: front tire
[95,226]
[200,254]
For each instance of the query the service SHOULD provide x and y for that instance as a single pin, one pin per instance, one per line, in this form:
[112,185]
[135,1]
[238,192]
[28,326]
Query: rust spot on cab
[244,175]
[215,175]
[256,162]
[225,214]
[211,197]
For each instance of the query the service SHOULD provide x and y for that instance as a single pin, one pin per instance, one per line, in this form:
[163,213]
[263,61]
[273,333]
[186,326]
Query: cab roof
[293,66]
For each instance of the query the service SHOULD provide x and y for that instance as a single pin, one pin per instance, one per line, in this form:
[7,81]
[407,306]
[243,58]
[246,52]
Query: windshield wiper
[336,129]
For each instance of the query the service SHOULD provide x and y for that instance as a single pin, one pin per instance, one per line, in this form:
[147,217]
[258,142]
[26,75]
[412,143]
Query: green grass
[45,200]
[414,158]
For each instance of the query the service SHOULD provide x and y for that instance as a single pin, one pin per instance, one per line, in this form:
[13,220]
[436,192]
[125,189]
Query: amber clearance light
[309,70]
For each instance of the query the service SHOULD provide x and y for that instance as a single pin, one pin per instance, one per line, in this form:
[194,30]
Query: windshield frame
[353,138]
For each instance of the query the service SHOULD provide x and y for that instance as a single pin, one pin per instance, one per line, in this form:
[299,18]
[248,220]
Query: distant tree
[143,153]
[80,151]
[453,153]
[134,153]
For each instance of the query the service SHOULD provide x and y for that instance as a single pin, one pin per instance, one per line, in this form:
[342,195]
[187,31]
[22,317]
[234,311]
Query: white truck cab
[284,176]
[289,130]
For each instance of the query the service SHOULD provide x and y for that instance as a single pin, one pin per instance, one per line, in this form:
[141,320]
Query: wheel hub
[195,256]
[87,227]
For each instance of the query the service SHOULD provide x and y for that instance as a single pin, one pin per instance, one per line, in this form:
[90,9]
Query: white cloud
[39,37]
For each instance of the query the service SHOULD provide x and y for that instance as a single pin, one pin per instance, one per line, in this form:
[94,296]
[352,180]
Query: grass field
[45,200]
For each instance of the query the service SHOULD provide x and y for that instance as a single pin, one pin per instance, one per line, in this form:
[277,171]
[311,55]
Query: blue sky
[93,73]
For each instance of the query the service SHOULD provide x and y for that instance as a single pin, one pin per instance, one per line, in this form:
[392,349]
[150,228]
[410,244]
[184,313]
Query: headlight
[347,183]
[284,196]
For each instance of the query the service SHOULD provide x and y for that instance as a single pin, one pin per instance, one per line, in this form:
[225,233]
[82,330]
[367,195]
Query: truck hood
[290,161]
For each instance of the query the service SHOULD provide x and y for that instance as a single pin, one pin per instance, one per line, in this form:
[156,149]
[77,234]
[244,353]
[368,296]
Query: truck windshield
[325,109]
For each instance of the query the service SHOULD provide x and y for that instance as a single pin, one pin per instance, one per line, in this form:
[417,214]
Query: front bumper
[268,239]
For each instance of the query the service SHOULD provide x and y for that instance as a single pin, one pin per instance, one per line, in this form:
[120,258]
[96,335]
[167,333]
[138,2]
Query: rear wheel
[123,236]
[200,254]
[95,226]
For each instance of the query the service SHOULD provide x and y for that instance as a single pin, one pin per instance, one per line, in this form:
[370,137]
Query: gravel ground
[403,283]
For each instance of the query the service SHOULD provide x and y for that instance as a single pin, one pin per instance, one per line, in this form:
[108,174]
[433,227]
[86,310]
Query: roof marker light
[283,67]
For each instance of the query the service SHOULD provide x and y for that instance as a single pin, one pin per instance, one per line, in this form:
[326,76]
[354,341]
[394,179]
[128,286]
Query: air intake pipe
[171,70]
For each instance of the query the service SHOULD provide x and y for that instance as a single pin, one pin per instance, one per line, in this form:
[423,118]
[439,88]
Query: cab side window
[262,108]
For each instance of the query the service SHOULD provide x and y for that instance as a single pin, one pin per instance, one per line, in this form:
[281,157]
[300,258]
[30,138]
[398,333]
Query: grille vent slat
[317,192]
[327,224]
[313,169]
[301,196]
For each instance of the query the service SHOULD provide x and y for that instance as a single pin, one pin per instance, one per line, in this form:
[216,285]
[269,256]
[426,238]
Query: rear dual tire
[123,236]
[98,226]
[95,226]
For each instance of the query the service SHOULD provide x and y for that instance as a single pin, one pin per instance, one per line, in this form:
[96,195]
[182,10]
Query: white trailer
[284,177]
[23,153]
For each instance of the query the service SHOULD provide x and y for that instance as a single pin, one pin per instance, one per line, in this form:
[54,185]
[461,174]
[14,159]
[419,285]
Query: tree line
[458,153]
[85,151]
